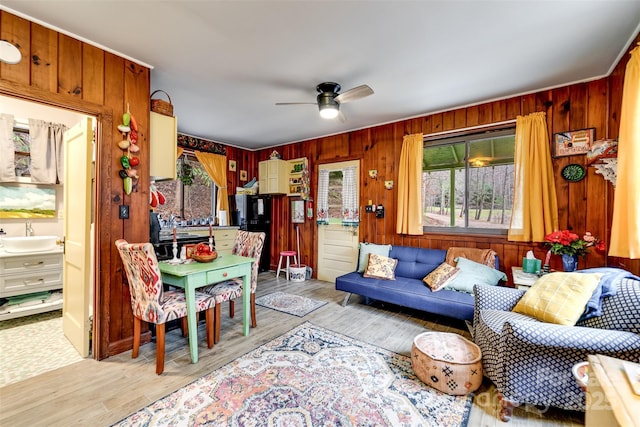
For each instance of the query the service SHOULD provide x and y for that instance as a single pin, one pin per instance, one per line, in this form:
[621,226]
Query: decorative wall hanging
[198,144]
[129,144]
[573,142]
[573,172]
[243,175]
[232,165]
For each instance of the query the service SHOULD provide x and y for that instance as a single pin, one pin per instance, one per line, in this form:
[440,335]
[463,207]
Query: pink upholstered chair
[247,244]
[150,303]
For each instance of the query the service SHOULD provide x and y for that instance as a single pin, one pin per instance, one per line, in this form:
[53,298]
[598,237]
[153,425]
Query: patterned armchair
[530,361]
[150,303]
[247,244]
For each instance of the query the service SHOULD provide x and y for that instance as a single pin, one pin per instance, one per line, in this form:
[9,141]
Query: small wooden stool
[286,254]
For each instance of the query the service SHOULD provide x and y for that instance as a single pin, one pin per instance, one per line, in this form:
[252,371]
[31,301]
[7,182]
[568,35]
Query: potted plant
[571,246]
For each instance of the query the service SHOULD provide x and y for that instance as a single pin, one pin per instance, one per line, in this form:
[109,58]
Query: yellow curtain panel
[535,204]
[216,167]
[409,218]
[625,226]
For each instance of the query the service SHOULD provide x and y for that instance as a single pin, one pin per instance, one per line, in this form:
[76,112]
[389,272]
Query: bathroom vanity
[29,273]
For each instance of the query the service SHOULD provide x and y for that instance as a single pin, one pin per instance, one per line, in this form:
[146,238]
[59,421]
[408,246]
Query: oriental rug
[288,303]
[309,376]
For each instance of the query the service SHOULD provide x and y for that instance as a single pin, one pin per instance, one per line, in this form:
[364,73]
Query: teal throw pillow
[370,248]
[472,273]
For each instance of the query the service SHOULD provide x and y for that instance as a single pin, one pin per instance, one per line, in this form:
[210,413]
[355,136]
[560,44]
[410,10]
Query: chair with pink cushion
[150,303]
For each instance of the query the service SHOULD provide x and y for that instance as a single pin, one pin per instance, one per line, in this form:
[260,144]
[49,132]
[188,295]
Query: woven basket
[447,362]
[161,106]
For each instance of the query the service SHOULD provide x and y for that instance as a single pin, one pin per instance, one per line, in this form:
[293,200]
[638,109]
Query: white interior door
[337,245]
[78,149]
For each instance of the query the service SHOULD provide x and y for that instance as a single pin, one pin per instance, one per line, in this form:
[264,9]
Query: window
[467,183]
[190,199]
[22,154]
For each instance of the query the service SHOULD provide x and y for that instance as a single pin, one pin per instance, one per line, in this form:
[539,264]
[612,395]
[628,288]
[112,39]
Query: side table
[522,280]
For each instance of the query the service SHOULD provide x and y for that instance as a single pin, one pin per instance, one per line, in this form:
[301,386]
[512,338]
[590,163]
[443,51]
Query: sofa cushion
[416,263]
[381,267]
[441,276]
[558,297]
[370,248]
[472,273]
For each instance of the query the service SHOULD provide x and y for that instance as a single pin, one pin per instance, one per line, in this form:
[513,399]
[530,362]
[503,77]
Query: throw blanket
[482,256]
[607,287]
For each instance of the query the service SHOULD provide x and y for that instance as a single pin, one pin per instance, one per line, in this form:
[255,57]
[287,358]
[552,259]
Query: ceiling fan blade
[296,103]
[356,93]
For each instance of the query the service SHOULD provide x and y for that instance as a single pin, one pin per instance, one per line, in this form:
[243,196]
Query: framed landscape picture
[573,142]
[27,201]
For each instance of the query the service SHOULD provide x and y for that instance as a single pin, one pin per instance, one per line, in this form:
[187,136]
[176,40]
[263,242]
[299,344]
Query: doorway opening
[33,329]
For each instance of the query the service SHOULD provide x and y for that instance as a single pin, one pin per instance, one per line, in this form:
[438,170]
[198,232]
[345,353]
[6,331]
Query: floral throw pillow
[441,276]
[381,267]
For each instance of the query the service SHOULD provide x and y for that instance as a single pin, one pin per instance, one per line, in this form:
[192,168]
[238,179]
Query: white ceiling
[226,63]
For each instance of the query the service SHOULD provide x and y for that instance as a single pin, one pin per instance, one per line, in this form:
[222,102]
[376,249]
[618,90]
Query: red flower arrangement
[569,243]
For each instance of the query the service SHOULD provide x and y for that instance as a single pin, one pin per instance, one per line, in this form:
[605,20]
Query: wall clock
[573,172]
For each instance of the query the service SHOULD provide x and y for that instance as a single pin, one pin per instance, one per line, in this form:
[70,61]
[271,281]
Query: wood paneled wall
[61,71]
[583,206]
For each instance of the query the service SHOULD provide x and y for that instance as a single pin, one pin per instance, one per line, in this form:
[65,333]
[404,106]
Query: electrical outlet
[123,212]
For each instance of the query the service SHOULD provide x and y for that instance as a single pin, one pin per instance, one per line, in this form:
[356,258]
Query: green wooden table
[195,275]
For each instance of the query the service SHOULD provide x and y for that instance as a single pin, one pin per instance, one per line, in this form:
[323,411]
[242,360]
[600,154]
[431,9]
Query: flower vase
[569,262]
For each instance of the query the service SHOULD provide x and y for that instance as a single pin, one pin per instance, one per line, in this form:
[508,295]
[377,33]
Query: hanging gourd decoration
[129,130]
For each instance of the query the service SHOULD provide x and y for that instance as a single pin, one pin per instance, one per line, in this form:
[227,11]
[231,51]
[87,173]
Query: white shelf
[32,309]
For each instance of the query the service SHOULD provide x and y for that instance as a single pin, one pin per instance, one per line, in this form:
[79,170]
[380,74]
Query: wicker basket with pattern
[447,362]
[161,106]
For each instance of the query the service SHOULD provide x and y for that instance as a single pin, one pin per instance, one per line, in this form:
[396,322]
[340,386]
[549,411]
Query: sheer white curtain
[47,155]
[322,207]
[7,160]
[350,212]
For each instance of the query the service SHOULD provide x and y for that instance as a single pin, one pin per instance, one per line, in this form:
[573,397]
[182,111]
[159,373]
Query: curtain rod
[462,130]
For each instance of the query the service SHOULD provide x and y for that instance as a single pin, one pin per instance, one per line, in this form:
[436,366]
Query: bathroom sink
[29,244]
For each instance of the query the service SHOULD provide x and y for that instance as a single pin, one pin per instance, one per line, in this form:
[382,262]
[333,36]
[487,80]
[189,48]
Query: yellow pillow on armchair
[558,297]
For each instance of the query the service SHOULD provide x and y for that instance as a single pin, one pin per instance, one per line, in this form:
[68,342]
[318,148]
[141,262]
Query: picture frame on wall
[573,142]
[232,165]
[297,211]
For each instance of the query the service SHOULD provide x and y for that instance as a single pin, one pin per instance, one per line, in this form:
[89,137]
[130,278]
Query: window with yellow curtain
[190,199]
[467,182]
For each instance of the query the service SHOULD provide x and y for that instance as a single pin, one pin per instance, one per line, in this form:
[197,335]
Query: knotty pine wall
[60,71]
[583,206]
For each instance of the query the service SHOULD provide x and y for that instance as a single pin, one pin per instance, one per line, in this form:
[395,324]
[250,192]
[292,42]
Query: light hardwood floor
[91,393]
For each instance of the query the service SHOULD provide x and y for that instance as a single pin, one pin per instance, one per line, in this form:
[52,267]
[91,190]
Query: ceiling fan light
[328,111]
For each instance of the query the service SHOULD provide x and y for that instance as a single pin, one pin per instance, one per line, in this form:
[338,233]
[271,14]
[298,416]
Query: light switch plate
[123,212]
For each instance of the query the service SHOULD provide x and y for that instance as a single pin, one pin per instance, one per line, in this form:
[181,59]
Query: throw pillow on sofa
[441,276]
[370,248]
[472,273]
[381,267]
[558,297]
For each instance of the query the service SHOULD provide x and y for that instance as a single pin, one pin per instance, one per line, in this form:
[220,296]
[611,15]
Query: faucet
[29,229]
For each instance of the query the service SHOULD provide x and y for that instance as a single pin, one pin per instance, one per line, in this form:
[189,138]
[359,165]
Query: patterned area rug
[309,376]
[289,303]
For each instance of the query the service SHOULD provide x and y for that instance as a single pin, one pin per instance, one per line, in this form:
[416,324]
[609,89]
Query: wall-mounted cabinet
[273,176]
[298,178]
[163,142]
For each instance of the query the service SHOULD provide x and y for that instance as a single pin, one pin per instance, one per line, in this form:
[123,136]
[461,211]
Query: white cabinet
[163,143]
[224,237]
[273,176]
[22,274]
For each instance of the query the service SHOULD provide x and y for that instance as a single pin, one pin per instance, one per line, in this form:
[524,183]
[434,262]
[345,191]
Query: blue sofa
[408,290]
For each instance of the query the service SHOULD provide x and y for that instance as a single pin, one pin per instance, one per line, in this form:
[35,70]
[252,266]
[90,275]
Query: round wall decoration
[573,172]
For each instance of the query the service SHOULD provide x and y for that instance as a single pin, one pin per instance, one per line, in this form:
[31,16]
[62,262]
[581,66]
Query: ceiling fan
[329,100]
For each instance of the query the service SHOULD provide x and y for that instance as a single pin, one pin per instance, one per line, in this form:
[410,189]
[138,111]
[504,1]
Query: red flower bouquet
[565,242]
